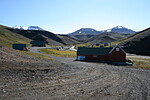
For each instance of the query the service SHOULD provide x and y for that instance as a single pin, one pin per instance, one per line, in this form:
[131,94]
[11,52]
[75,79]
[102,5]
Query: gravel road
[95,81]
[68,79]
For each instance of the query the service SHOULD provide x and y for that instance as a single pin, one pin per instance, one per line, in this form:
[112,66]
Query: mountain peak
[85,31]
[122,30]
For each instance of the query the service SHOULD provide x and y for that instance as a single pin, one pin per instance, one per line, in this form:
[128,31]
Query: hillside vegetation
[7,37]
[137,43]
[51,38]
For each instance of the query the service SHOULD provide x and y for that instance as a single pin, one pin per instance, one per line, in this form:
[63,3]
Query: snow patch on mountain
[119,27]
[18,27]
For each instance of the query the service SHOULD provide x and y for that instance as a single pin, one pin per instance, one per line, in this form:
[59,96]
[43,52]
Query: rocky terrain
[25,77]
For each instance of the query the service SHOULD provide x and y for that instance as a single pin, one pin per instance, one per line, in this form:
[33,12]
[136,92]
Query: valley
[53,73]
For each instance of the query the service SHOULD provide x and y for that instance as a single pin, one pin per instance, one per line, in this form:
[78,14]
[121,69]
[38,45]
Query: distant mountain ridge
[91,31]
[119,29]
[86,33]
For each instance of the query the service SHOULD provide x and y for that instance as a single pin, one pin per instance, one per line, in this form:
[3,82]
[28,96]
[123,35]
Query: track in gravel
[84,81]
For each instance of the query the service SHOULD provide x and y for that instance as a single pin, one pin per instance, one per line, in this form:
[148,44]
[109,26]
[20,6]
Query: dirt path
[74,80]
[102,81]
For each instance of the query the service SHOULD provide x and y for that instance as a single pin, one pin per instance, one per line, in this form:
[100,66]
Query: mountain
[35,28]
[137,43]
[119,29]
[85,31]
[106,37]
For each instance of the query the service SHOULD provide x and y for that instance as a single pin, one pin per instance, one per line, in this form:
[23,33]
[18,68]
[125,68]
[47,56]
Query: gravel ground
[67,79]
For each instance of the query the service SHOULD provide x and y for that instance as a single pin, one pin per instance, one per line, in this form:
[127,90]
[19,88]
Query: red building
[115,54]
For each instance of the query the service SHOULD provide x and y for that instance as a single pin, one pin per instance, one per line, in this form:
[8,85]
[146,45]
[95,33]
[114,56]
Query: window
[117,49]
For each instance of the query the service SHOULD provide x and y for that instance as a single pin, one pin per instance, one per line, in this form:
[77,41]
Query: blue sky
[66,16]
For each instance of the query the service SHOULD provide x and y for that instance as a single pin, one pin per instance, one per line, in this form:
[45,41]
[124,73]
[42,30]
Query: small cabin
[115,54]
[19,46]
[38,43]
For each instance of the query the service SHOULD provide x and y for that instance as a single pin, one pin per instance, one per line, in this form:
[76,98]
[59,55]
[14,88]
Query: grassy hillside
[7,37]
[135,37]
[51,38]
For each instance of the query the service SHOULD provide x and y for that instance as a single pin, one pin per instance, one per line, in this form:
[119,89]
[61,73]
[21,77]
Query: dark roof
[93,51]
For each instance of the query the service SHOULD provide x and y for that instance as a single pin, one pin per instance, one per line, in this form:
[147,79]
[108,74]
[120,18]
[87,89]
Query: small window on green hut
[117,49]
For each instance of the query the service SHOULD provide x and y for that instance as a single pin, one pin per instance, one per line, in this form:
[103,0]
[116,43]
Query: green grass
[7,38]
[83,45]
[140,62]
[53,52]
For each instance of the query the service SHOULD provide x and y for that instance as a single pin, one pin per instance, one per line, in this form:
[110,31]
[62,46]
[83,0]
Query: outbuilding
[38,43]
[115,54]
[19,46]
